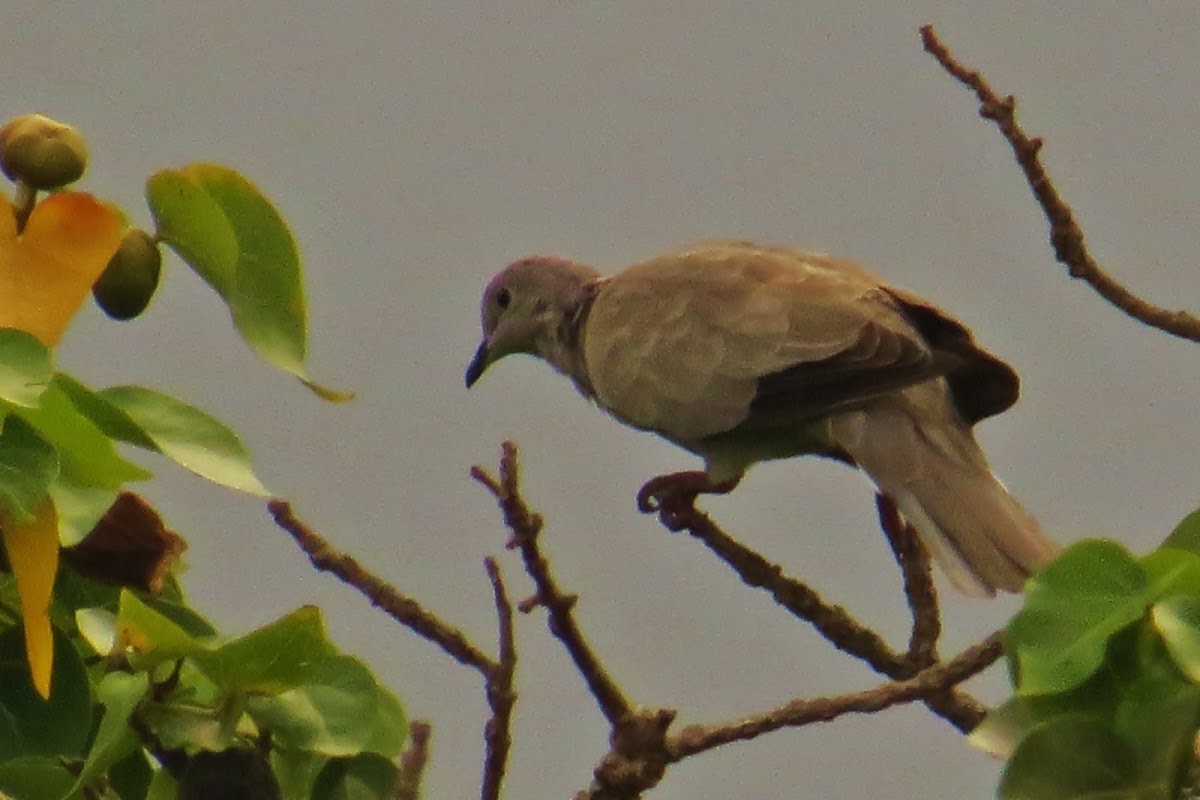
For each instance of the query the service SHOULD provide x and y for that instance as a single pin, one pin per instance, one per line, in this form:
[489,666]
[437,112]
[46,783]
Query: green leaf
[1137,653]
[183,615]
[186,435]
[86,454]
[267,298]
[333,710]
[1172,571]
[26,367]
[28,463]
[1074,756]
[152,636]
[107,417]
[201,721]
[192,223]
[363,777]
[163,787]
[297,770]
[35,776]
[1177,618]
[1158,718]
[271,659]
[31,726]
[231,234]
[97,627]
[1058,640]
[131,776]
[391,725]
[72,591]
[79,508]
[1186,535]
[1006,726]
[120,694]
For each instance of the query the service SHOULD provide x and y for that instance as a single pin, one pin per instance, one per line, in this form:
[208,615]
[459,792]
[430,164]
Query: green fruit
[41,152]
[128,282]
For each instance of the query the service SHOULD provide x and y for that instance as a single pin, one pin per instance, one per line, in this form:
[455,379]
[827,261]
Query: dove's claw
[673,496]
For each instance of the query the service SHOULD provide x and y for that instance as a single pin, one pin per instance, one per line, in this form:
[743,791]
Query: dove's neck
[562,346]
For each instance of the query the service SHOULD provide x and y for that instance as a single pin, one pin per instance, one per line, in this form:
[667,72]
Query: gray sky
[417,148]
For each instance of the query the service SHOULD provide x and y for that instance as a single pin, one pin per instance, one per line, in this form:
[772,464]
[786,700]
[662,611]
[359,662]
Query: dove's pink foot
[673,495]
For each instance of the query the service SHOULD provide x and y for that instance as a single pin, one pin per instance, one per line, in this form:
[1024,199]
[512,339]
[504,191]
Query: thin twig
[497,674]
[919,589]
[405,610]
[413,761]
[833,622]
[1065,234]
[497,733]
[932,680]
[525,527]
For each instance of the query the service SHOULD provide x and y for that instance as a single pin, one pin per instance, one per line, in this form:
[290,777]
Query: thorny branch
[1065,234]
[497,674]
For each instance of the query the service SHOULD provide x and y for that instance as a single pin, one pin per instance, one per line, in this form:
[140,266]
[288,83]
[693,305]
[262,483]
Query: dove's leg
[673,495]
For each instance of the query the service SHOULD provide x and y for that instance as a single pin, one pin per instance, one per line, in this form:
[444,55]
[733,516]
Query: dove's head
[534,306]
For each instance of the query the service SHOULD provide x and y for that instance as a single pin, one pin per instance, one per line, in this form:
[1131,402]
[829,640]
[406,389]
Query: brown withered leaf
[129,546]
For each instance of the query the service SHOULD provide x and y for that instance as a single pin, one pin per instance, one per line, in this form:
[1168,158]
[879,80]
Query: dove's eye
[503,298]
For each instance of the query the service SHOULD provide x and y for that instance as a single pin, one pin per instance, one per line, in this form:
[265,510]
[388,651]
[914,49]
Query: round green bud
[41,152]
[128,282]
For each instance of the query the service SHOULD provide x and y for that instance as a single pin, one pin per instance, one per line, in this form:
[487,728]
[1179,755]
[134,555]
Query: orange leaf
[48,269]
[32,549]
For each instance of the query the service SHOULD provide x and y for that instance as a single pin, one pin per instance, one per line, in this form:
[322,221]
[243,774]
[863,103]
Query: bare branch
[831,621]
[931,681]
[500,695]
[405,610]
[1065,234]
[525,526]
[641,749]
[638,757]
[919,589]
[497,674]
[413,761]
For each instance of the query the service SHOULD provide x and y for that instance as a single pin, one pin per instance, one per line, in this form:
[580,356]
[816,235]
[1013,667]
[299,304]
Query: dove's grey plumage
[742,353]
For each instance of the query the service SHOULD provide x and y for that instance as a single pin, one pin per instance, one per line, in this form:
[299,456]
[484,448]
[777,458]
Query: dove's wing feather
[702,341]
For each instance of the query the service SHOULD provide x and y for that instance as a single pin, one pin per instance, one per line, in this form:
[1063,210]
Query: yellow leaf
[48,269]
[32,549]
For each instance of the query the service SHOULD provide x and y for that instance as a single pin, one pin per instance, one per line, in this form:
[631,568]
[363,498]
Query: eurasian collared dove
[742,353]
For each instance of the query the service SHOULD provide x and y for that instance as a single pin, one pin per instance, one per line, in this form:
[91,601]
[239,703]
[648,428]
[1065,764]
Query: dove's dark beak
[478,364]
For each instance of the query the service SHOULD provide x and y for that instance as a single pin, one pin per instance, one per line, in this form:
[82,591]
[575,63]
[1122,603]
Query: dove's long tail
[918,451]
